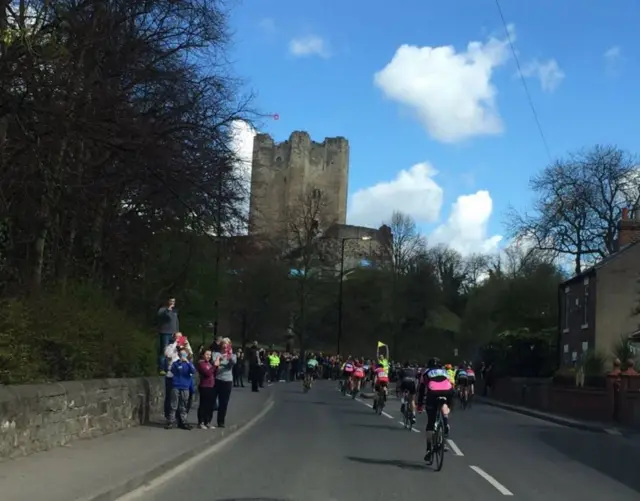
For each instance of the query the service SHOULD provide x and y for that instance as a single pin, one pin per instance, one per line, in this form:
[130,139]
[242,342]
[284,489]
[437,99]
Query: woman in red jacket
[207,372]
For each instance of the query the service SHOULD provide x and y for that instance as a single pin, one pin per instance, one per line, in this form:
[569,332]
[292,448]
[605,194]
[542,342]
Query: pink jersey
[437,380]
[381,375]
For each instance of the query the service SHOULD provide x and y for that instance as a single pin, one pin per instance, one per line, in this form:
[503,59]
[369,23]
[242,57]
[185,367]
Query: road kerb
[139,480]
[545,417]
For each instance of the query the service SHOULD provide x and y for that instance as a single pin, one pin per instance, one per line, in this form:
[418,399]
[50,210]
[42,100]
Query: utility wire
[524,82]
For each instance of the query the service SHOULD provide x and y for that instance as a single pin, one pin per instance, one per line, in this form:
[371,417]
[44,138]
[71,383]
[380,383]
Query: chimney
[629,227]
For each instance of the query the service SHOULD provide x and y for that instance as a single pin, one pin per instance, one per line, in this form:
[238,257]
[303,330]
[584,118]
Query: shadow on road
[377,426]
[611,456]
[252,499]
[399,463]
[314,402]
[357,413]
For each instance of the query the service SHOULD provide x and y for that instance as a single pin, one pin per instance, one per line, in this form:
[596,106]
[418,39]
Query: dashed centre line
[457,452]
[499,487]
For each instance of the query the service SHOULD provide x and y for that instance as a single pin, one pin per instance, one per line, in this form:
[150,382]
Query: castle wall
[284,173]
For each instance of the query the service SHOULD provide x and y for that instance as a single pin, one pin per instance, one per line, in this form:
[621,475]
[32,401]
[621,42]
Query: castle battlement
[282,172]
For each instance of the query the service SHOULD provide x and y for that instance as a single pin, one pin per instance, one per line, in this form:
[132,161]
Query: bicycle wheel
[438,442]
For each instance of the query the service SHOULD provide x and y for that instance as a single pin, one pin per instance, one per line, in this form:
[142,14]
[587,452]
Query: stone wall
[39,417]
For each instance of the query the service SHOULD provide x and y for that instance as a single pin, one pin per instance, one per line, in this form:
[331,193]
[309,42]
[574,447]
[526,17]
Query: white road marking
[195,460]
[387,415]
[612,431]
[501,488]
[456,450]
[414,430]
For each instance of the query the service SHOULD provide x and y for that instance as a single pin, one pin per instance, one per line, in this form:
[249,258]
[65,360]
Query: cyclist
[451,373]
[407,377]
[312,367]
[358,374]
[347,372]
[472,378]
[434,383]
[380,383]
[462,379]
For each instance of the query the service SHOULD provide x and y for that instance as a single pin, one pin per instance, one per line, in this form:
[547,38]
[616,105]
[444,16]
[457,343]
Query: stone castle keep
[284,173]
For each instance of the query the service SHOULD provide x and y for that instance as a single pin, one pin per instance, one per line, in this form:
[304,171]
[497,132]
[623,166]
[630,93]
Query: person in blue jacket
[182,371]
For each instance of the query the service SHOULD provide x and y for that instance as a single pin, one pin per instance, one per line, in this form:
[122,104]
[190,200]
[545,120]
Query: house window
[567,305]
[585,305]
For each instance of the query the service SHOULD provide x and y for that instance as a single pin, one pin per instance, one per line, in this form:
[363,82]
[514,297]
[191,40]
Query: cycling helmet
[448,367]
[434,363]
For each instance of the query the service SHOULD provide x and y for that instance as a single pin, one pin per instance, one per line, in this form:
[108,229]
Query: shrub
[623,351]
[565,376]
[71,336]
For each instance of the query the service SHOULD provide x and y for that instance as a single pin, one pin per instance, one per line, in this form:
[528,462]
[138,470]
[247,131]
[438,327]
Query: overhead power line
[524,82]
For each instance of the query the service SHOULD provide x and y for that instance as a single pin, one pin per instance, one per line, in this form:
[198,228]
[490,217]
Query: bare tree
[308,253]
[405,244]
[578,204]
[110,134]
[476,267]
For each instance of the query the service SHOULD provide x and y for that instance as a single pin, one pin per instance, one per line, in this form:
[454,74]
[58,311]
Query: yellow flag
[381,344]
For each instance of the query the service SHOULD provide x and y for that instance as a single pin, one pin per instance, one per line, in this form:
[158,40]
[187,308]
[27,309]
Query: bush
[565,376]
[71,336]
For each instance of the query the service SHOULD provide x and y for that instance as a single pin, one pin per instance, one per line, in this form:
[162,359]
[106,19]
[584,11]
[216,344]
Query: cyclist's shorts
[347,373]
[431,407]
[380,385]
[462,381]
[408,385]
[358,374]
[310,369]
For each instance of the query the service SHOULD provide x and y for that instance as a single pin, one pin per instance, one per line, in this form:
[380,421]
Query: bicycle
[354,389]
[306,383]
[408,415]
[437,440]
[380,401]
[463,396]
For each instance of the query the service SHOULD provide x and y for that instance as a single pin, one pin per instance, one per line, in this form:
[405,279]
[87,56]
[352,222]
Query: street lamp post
[341,276]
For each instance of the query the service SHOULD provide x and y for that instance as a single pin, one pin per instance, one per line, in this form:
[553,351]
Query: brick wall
[594,404]
[39,417]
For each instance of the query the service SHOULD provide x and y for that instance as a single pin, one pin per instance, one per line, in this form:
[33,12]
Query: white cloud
[612,59]
[613,54]
[311,45]
[413,192]
[450,92]
[549,73]
[242,134]
[466,229]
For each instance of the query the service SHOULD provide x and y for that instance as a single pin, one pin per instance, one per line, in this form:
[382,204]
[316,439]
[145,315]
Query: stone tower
[283,173]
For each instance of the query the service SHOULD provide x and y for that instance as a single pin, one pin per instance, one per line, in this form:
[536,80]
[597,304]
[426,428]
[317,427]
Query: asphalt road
[321,446]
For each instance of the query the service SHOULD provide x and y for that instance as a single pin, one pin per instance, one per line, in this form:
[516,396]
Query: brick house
[598,306]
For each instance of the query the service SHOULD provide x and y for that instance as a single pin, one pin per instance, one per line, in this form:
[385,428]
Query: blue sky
[414,98]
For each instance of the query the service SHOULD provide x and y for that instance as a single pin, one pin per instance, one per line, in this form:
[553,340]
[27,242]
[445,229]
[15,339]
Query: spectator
[182,371]
[224,378]
[171,354]
[263,366]
[254,366]
[238,370]
[215,346]
[168,325]
[207,371]
[274,364]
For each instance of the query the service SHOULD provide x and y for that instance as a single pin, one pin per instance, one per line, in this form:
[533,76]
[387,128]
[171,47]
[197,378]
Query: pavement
[322,446]
[105,468]
[595,426]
